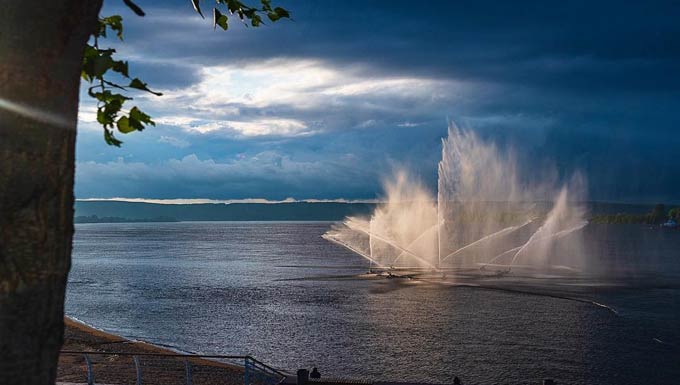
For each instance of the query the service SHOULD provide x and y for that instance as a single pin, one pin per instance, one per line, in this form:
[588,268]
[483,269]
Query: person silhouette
[315,373]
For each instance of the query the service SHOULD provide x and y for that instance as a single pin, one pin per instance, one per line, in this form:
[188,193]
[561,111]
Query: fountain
[484,217]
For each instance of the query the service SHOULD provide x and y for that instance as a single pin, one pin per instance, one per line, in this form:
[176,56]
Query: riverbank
[119,367]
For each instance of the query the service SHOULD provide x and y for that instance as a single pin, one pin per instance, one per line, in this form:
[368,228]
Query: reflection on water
[282,293]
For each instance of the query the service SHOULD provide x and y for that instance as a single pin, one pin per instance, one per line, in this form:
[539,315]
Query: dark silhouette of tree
[46,48]
[658,214]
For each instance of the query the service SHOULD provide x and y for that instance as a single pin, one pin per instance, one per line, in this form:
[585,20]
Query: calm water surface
[280,292]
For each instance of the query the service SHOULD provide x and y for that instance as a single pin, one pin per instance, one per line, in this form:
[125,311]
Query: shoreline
[119,367]
[75,332]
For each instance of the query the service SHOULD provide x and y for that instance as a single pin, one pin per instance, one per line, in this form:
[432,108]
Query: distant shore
[96,219]
[130,212]
[113,368]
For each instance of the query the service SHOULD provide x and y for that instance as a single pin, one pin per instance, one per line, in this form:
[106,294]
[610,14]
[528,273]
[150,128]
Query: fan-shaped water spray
[484,215]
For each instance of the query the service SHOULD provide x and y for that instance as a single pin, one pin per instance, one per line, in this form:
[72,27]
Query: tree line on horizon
[656,216]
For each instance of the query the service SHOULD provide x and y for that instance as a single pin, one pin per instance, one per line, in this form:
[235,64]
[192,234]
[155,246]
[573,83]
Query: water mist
[483,217]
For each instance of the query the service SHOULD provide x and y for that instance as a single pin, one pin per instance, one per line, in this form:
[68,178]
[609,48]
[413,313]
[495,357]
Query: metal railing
[170,368]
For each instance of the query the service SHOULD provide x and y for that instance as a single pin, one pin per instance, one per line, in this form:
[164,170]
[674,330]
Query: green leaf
[96,62]
[273,16]
[140,85]
[282,12]
[100,65]
[110,139]
[107,113]
[136,124]
[124,125]
[127,124]
[197,7]
[121,67]
[101,117]
[134,121]
[250,13]
[90,52]
[220,19]
[114,22]
[134,7]
[138,115]
[107,97]
[87,69]
[234,6]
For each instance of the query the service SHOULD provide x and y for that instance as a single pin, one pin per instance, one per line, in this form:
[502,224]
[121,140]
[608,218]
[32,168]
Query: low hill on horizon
[286,211]
[122,211]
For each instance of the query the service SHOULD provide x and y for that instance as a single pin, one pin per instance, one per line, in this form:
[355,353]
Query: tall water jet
[565,218]
[478,195]
[483,215]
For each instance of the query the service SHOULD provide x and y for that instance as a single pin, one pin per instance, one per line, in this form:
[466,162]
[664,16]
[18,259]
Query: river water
[278,291]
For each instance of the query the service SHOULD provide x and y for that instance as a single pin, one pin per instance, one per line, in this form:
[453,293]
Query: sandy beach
[118,367]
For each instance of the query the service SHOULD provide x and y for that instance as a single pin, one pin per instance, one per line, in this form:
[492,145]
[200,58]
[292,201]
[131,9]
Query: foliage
[620,219]
[674,213]
[656,216]
[99,64]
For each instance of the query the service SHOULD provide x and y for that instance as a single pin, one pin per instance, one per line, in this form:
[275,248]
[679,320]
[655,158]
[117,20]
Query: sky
[328,105]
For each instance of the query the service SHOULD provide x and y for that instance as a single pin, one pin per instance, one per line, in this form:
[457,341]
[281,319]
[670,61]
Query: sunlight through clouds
[256,127]
[261,99]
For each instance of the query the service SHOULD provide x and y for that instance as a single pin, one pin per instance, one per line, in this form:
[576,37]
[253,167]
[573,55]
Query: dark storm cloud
[588,86]
[621,46]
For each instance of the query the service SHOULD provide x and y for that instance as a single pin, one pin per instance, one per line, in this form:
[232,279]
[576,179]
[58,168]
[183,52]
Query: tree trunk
[41,46]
